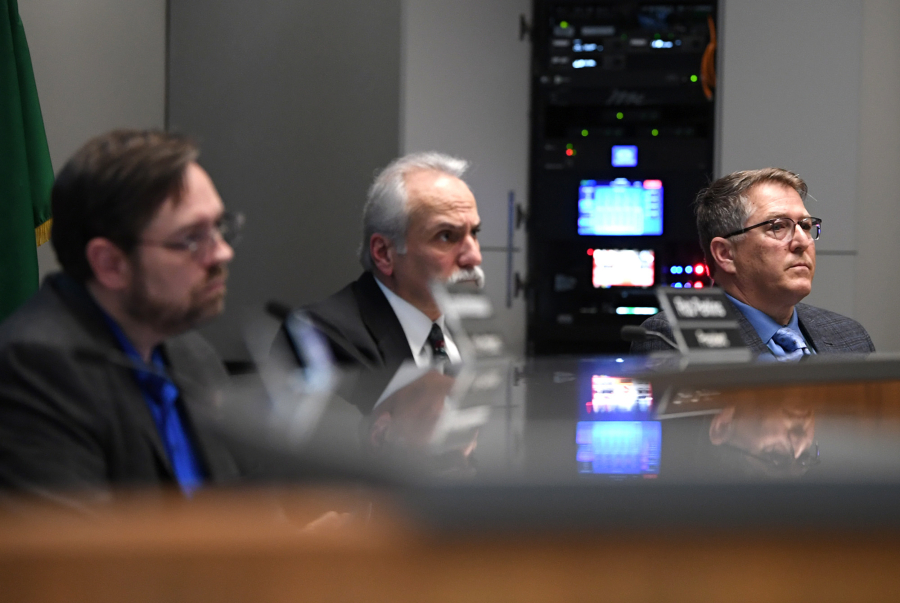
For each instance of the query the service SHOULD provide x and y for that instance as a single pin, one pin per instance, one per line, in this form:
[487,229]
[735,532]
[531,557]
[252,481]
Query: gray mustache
[475,275]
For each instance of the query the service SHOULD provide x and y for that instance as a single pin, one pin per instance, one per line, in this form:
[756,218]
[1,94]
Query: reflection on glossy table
[396,543]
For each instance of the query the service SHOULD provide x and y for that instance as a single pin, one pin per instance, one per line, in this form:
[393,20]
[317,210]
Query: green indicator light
[693,78]
[620,115]
[584,132]
[569,146]
[655,132]
[574,152]
[656,36]
[564,24]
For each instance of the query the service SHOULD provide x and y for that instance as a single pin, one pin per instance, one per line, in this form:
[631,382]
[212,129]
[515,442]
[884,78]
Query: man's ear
[109,264]
[722,426]
[382,251]
[722,252]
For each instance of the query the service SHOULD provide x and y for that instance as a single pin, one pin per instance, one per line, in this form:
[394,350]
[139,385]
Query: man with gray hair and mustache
[420,224]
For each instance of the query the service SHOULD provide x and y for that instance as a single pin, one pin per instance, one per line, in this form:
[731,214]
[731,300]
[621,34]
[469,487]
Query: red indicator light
[698,285]
[570,152]
[590,252]
[699,269]
[651,184]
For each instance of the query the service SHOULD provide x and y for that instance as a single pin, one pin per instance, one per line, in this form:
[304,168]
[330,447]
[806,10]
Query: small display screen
[615,435]
[624,155]
[622,268]
[620,207]
[615,398]
[619,447]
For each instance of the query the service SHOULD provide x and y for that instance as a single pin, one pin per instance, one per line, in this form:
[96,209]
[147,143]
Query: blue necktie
[164,394]
[793,345]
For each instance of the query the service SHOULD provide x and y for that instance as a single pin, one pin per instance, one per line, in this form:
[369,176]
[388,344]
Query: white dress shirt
[416,327]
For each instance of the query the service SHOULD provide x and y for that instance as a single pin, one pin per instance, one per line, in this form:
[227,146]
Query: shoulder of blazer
[831,332]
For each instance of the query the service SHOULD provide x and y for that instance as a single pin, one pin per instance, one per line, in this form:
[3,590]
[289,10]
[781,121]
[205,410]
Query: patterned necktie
[792,344]
[437,343]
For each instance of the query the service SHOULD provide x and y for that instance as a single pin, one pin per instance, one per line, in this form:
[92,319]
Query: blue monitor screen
[624,155]
[620,207]
[619,447]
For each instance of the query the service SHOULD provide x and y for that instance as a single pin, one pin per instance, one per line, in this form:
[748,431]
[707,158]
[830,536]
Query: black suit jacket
[71,414]
[364,335]
[361,326]
[827,332]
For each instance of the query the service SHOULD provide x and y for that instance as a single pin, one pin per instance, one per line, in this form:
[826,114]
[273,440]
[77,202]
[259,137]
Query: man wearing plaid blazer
[760,246]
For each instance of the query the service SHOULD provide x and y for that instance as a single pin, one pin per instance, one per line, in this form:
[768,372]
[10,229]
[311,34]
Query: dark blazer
[361,326]
[71,414]
[365,337]
[827,332]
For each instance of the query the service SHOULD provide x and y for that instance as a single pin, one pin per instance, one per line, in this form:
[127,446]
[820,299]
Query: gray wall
[791,98]
[295,105]
[98,64]
[877,279]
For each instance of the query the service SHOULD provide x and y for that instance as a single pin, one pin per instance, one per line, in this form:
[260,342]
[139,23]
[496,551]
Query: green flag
[26,175]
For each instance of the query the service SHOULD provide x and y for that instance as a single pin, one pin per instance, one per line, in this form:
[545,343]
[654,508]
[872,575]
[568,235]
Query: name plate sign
[704,323]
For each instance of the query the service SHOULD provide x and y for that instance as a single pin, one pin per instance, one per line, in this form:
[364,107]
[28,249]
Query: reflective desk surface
[552,479]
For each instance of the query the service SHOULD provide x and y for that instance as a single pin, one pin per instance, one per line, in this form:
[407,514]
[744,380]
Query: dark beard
[167,318]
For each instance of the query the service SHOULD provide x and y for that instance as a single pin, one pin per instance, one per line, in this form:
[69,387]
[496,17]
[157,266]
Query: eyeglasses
[783,228]
[202,245]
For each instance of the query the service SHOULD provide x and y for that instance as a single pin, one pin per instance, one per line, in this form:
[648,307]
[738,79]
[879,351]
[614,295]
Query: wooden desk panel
[248,546]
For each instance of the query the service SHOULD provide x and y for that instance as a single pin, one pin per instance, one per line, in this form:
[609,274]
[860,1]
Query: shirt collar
[416,326]
[764,324]
[156,358]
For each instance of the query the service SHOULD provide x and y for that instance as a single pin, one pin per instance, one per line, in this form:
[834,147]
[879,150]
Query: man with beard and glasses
[420,224]
[102,384]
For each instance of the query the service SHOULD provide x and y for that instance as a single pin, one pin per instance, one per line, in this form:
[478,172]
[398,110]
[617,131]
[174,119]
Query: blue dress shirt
[766,326]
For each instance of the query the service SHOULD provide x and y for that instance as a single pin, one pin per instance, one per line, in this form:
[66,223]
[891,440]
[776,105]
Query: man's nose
[801,239]
[471,253]
[223,252]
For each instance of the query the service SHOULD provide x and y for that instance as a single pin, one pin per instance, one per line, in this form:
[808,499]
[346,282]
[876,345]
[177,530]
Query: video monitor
[605,397]
[622,268]
[624,155]
[620,207]
[616,435]
[619,448]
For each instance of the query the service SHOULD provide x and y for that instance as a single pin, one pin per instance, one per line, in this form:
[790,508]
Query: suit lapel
[749,335]
[381,321]
[106,349]
[816,332]
[198,402]
[140,412]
